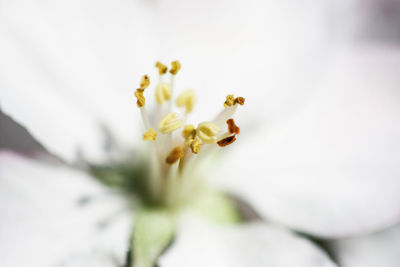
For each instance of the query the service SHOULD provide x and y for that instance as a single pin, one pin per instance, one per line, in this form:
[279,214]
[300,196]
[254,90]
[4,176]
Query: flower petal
[255,244]
[374,250]
[61,76]
[51,216]
[332,168]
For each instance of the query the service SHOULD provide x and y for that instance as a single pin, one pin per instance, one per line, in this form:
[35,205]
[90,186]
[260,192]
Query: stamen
[170,123]
[145,82]
[162,69]
[189,132]
[175,67]
[195,145]
[232,127]
[239,100]
[231,100]
[163,92]
[230,109]
[186,99]
[227,140]
[150,135]
[176,154]
[141,101]
[207,131]
[165,184]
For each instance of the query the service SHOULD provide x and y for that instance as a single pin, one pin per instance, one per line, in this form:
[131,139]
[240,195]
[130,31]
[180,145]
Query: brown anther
[175,67]
[162,69]
[239,100]
[141,101]
[145,82]
[230,100]
[227,141]
[176,154]
[232,127]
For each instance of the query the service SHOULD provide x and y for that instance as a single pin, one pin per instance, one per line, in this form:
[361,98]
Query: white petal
[68,66]
[244,47]
[255,244]
[374,250]
[51,216]
[332,169]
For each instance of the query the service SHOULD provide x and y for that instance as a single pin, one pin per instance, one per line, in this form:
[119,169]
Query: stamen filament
[145,118]
[175,67]
[225,114]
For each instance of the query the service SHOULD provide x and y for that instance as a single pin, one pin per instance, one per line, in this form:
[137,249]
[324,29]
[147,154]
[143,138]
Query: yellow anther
[141,101]
[195,145]
[145,82]
[176,154]
[207,131]
[163,92]
[230,100]
[175,67]
[186,99]
[150,135]
[189,132]
[162,69]
[170,123]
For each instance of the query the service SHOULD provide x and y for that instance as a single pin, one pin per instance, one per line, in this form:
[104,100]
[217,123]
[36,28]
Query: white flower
[323,160]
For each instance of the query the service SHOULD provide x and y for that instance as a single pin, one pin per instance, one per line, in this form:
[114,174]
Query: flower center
[176,148]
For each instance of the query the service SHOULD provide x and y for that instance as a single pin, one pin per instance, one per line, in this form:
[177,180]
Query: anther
[150,135]
[189,132]
[227,140]
[195,145]
[145,82]
[186,99]
[239,100]
[141,101]
[170,123]
[163,92]
[232,127]
[231,100]
[162,69]
[175,67]
[207,131]
[176,154]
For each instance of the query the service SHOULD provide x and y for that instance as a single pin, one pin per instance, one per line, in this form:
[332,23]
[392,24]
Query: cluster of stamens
[169,147]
